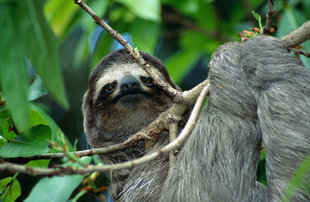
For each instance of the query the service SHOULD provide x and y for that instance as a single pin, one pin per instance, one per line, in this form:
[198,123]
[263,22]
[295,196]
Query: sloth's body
[259,92]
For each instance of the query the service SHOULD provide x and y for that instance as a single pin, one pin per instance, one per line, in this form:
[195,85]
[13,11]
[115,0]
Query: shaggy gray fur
[218,162]
[282,87]
[256,88]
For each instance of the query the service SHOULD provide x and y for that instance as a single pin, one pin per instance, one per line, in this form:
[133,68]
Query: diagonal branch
[130,164]
[135,54]
[270,14]
[175,112]
[297,36]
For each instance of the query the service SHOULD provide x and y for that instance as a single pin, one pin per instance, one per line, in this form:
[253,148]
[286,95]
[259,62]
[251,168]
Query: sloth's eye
[110,87]
[148,81]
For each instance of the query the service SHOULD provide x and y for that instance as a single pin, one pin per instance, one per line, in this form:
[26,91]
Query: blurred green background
[49,47]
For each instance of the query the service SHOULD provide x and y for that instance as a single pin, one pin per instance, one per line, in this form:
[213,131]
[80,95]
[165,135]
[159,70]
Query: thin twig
[270,14]
[297,36]
[130,164]
[300,52]
[173,130]
[177,96]
[175,112]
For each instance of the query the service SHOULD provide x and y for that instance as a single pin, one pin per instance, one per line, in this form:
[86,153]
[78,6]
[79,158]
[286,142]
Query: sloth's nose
[129,83]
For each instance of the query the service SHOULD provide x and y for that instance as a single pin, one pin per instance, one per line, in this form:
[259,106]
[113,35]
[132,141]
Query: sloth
[122,99]
[259,94]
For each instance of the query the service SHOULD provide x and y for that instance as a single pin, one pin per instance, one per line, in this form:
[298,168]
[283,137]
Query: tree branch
[130,164]
[135,54]
[270,14]
[173,131]
[174,113]
[297,36]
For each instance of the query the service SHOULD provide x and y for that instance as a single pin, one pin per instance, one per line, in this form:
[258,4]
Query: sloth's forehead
[117,71]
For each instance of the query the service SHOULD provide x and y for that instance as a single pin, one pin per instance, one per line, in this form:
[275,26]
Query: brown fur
[108,121]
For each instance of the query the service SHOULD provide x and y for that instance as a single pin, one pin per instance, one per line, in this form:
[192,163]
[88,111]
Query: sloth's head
[122,98]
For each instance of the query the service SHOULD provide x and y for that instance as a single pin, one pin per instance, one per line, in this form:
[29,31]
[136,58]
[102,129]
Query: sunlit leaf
[145,9]
[36,118]
[259,19]
[38,163]
[59,14]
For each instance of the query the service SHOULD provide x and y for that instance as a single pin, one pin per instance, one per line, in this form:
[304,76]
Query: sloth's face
[122,100]
[125,84]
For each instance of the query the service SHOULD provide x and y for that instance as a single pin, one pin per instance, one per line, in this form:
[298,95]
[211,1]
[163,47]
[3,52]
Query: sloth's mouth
[131,96]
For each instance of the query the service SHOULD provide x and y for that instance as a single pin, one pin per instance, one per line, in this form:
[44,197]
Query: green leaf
[145,34]
[54,188]
[81,52]
[78,196]
[4,112]
[99,7]
[59,14]
[9,191]
[103,47]
[36,118]
[57,134]
[181,63]
[290,20]
[13,76]
[206,11]
[188,7]
[37,89]
[41,47]
[38,163]
[8,133]
[298,179]
[193,40]
[27,145]
[145,9]
[2,141]
[255,3]
[61,186]
[259,19]
[306,5]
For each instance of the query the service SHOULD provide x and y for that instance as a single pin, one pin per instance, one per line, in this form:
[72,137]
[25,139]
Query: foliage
[43,42]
